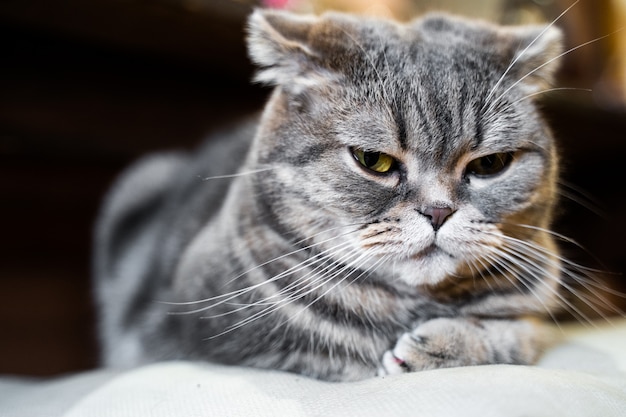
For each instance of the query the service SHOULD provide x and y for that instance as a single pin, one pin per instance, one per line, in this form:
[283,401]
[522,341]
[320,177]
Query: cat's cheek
[496,204]
[511,193]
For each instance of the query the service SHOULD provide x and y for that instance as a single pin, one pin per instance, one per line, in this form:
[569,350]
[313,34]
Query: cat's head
[413,150]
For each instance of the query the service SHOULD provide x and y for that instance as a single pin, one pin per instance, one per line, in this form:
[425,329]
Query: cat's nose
[437,215]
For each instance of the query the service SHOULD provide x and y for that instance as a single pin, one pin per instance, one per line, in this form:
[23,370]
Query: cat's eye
[375,161]
[489,165]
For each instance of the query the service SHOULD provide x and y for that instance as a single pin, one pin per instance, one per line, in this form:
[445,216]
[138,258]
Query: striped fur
[309,262]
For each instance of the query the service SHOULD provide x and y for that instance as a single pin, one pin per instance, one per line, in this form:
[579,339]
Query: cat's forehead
[424,85]
[417,93]
[435,48]
[303,52]
[440,81]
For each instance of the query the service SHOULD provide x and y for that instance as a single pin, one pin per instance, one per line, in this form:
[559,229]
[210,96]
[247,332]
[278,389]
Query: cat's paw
[438,343]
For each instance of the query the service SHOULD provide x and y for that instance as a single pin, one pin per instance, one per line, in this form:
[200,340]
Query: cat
[388,212]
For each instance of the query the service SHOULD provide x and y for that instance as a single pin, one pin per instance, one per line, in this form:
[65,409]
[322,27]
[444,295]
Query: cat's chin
[428,267]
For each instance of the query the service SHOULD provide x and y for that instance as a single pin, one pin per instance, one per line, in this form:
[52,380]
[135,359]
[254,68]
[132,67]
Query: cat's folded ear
[280,44]
[535,55]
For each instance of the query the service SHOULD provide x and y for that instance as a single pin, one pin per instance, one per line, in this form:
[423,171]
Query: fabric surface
[583,376]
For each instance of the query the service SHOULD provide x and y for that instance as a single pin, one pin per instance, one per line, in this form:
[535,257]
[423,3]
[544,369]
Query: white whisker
[498,261]
[547,90]
[317,271]
[368,271]
[523,52]
[564,239]
[523,249]
[278,304]
[310,288]
[580,197]
[227,297]
[239,174]
[238,292]
[318,259]
[535,271]
[485,267]
[548,62]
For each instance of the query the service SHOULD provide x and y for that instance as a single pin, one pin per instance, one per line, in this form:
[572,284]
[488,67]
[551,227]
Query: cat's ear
[279,43]
[536,53]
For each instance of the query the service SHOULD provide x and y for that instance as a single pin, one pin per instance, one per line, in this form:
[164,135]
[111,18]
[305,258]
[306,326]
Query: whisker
[582,198]
[368,271]
[273,306]
[485,267]
[497,261]
[507,258]
[564,239]
[225,298]
[289,300]
[571,267]
[239,174]
[547,90]
[548,62]
[320,269]
[535,271]
[266,301]
[346,271]
[331,229]
[325,279]
[521,54]
[586,276]
[294,252]
[586,281]
[237,292]
[543,229]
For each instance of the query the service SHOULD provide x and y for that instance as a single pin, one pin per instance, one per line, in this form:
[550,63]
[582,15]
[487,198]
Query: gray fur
[309,262]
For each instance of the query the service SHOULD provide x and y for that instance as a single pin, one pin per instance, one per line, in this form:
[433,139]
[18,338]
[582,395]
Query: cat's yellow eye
[489,165]
[374,161]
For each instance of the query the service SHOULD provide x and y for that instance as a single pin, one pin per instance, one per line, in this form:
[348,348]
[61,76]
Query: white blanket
[584,376]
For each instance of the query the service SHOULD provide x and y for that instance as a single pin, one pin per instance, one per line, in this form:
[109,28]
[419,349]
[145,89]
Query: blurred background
[88,86]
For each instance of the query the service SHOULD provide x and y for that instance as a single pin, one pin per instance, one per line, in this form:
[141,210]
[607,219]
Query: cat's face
[403,149]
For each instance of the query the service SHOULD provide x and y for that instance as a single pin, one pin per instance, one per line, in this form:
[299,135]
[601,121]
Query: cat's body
[391,213]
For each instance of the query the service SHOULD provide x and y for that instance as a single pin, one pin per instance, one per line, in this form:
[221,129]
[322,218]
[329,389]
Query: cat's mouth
[429,251]
[428,266]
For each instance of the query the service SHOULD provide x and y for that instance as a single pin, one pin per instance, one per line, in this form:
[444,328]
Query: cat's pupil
[371,158]
[488,162]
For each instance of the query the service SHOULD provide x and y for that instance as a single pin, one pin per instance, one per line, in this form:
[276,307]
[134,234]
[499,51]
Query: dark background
[88,86]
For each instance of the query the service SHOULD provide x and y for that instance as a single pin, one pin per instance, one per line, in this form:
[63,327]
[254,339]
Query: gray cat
[390,214]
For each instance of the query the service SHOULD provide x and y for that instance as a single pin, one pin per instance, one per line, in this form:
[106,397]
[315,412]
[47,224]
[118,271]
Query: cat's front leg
[462,341]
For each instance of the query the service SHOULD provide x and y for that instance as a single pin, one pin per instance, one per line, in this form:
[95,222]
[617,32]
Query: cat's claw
[392,365]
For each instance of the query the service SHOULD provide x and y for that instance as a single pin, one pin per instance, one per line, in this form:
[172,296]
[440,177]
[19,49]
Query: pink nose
[437,215]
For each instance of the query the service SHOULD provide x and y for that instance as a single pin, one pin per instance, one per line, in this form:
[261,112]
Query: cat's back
[150,215]
[170,188]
